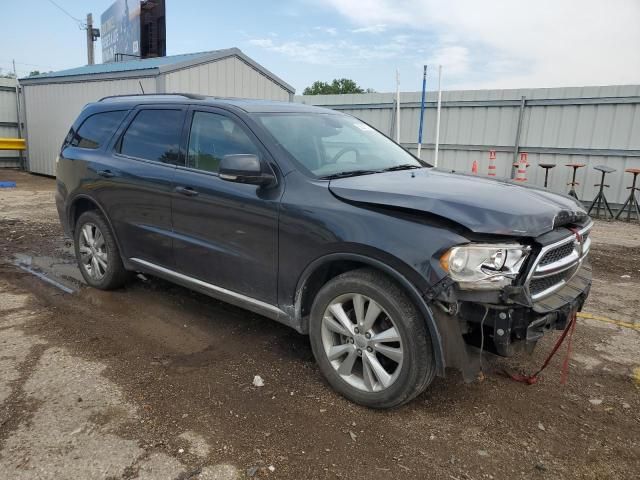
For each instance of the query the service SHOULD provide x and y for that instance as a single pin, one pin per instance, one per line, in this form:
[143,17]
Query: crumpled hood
[483,205]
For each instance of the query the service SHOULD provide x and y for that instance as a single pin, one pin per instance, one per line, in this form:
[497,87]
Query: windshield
[336,145]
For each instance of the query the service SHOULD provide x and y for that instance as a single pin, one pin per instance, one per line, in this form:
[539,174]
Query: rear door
[225,233]
[137,183]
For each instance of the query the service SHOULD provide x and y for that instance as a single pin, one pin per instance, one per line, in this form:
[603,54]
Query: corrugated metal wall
[52,108]
[8,121]
[590,125]
[230,77]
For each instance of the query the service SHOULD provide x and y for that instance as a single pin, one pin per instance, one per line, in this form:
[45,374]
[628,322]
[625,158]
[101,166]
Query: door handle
[188,191]
[106,173]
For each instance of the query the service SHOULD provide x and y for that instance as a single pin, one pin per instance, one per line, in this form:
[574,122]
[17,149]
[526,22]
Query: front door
[224,233]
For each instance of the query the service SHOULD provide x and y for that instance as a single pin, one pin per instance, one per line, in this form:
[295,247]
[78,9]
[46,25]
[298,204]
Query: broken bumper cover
[507,325]
[514,321]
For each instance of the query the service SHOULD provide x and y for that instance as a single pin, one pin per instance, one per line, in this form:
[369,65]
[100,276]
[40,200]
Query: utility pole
[424,90]
[90,39]
[435,157]
[397,106]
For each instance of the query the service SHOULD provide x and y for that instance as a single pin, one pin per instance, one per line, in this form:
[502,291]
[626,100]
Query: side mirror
[244,168]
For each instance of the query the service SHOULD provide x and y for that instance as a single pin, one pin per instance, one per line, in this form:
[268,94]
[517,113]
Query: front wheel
[370,341]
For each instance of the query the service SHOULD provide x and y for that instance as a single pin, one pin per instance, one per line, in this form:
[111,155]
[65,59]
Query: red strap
[568,331]
[577,233]
[532,379]
[565,364]
[528,379]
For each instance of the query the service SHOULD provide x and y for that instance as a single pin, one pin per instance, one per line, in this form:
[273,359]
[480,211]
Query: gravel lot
[155,382]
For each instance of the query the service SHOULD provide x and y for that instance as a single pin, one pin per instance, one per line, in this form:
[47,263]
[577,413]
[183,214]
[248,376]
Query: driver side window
[212,137]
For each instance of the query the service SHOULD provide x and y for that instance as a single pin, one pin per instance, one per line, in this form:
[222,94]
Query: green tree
[337,86]
[33,73]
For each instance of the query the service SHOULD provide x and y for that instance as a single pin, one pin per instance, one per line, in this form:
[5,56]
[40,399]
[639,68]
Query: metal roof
[147,67]
[125,66]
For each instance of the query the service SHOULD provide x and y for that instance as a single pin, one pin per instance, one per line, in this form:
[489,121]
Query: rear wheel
[97,252]
[370,341]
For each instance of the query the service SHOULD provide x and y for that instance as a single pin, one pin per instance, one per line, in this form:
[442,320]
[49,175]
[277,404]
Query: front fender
[415,295]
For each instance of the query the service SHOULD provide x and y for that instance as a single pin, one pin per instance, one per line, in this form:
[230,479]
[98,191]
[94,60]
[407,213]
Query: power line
[7,66]
[5,61]
[80,23]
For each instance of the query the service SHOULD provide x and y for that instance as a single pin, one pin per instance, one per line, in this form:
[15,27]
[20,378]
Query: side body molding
[234,298]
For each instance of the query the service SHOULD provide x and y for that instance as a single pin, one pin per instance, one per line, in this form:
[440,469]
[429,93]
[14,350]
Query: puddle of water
[42,276]
[55,271]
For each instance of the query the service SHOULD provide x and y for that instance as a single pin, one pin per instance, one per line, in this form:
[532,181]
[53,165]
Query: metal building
[8,121]
[587,125]
[53,100]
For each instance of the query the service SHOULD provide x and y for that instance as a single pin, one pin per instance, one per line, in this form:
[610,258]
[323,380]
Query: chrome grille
[539,285]
[557,264]
[557,254]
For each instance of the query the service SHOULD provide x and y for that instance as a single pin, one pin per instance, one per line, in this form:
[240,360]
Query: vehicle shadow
[214,315]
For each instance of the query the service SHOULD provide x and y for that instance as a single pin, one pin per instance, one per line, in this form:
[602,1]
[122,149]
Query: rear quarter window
[95,130]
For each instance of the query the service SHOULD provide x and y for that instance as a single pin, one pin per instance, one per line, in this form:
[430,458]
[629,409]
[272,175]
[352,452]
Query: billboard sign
[152,29]
[120,31]
[133,29]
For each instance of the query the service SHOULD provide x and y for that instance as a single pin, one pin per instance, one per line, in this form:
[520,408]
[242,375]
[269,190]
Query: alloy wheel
[93,251]
[361,342]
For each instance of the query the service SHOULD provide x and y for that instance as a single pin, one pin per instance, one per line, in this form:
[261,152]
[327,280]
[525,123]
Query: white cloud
[328,30]
[315,53]
[335,52]
[379,28]
[262,42]
[455,60]
[511,43]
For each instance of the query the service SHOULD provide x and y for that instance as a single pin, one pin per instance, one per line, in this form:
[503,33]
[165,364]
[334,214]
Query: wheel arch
[318,272]
[83,203]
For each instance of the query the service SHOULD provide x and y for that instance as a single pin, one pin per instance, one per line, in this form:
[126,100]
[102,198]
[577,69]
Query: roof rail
[191,96]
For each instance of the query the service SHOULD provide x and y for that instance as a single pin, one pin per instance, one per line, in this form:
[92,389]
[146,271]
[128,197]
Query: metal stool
[546,167]
[632,201]
[600,199]
[573,182]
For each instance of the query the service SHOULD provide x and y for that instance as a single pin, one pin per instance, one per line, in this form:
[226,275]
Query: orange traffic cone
[521,175]
[474,167]
[492,163]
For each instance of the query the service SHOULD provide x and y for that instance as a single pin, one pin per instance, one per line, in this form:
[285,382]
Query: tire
[413,366]
[106,272]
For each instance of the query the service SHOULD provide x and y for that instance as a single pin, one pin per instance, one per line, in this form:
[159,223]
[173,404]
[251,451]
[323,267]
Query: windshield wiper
[351,173]
[407,166]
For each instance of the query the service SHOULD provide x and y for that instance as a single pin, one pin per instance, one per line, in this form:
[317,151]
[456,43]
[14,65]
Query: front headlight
[484,266]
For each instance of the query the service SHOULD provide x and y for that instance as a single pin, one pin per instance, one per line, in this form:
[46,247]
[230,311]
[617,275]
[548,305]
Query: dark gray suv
[396,270]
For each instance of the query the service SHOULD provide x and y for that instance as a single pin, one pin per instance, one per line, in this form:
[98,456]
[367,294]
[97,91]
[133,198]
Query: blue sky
[481,44]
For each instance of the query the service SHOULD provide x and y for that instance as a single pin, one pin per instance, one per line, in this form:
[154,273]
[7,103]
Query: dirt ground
[155,382]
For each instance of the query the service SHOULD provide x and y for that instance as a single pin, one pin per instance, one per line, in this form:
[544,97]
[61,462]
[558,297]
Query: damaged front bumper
[556,284]
[514,327]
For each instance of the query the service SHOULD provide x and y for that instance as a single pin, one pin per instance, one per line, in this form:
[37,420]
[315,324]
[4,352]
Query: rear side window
[154,135]
[95,130]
